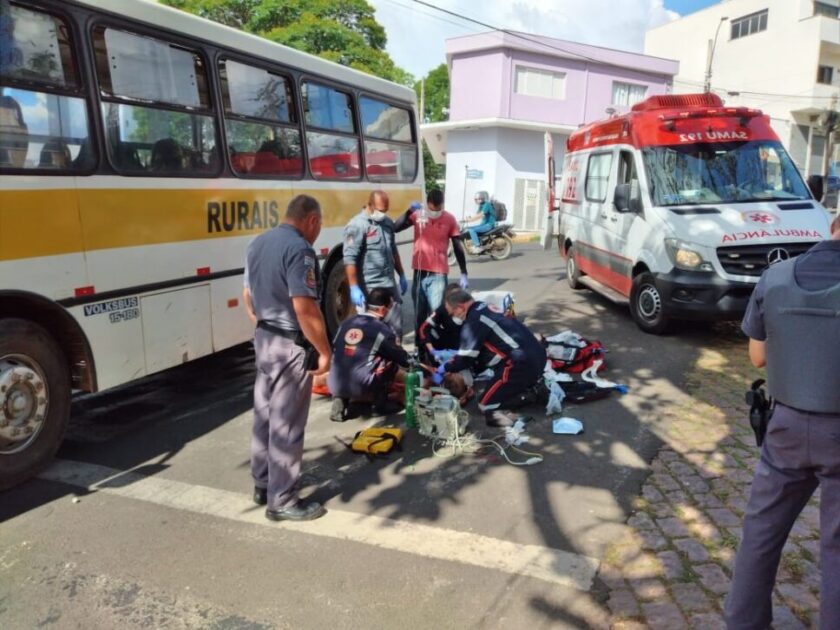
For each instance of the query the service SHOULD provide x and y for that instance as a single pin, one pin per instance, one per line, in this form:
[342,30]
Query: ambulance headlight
[685,256]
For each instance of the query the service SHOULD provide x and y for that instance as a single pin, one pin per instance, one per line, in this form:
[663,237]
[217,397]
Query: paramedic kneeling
[502,344]
[366,360]
[794,329]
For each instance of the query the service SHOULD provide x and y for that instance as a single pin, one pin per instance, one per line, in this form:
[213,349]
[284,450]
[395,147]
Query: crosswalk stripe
[558,567]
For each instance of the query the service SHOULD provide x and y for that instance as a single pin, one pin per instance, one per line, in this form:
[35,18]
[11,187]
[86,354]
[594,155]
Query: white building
[781,56]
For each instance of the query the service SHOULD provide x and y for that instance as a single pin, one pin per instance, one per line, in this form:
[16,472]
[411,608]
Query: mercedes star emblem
[777,255]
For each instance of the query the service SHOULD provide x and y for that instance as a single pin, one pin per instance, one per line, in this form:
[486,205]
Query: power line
[593,59]
[509,32]
[430,14]
[772,94]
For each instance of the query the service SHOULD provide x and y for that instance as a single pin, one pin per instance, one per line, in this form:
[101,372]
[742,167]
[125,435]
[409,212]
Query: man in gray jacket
[371,257]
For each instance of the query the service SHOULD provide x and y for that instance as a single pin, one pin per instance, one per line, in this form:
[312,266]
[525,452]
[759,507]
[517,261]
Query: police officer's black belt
[295,335]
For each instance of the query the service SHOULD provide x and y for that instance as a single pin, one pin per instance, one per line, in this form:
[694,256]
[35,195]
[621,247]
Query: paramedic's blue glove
[403,284]
[437,377]
[464,281]
[357,296]
[416,205]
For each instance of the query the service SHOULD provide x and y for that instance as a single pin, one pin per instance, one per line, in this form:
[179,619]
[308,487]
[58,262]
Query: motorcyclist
[486,214]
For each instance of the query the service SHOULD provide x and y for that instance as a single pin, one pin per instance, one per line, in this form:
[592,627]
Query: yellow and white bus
[141,149]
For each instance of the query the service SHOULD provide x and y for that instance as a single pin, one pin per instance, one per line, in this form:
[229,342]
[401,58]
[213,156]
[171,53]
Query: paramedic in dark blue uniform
[284,287]
[366,360]
[503,344]
[438,331]
[793,322]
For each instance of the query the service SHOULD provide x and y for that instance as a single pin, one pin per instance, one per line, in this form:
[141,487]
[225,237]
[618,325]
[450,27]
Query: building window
[541,83]
[825,74]
[828,10]
[627,93]
[749,24]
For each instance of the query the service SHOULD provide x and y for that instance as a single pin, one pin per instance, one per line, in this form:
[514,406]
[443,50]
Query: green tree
[437,93]
[431,170]
[343,31]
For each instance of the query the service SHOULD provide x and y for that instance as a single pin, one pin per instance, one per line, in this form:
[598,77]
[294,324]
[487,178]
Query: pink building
[507,90]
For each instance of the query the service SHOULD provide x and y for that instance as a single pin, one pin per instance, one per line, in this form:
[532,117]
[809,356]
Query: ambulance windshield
[725,172]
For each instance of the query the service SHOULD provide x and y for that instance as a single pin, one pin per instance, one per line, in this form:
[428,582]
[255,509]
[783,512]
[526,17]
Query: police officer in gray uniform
[793,322]
[284,285]
[371,257]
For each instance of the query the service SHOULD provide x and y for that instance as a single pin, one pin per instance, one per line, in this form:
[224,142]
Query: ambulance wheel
[502,248]
[573,274]
[34,399]
[646,305]
[337,304]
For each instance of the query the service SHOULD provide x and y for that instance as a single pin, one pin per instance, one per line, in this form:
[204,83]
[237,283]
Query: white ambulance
[678,206]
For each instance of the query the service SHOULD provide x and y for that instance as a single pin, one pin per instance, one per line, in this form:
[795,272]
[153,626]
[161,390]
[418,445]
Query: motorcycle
[496,243]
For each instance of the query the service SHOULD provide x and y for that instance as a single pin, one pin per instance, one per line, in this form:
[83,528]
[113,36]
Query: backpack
[574,359]
[500,210]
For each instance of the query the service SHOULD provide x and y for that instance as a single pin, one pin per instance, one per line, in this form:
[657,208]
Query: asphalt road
[145,520]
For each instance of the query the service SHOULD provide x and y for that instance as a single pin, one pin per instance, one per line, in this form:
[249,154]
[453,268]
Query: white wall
[503,155]
[780,60]
[474,150]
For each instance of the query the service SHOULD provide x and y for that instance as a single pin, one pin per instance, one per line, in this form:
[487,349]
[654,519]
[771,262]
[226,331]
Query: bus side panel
[115,333]
[230,319]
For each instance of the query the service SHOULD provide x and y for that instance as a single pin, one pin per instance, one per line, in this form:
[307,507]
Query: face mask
[434,214]
[457,321]
[377,215]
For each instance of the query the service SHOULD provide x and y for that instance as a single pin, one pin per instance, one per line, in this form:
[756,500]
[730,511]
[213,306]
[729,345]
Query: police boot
[344,409]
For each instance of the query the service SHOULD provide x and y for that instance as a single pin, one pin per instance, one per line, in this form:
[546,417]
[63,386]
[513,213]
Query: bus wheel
[337,304]
[573,274]
[646,305]
[34,399]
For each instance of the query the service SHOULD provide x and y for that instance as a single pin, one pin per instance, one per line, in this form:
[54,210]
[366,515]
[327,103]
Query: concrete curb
[526,237]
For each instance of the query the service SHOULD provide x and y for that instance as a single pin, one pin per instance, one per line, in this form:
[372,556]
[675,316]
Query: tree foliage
[343,31]
[437,93]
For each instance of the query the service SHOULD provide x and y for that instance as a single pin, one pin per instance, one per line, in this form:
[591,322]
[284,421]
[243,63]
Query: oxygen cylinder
[412,384]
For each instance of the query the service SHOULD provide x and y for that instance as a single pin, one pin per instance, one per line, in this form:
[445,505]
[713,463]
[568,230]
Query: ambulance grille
[752,260]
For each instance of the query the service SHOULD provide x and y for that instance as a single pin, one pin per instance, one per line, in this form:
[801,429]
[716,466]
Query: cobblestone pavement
[673,567]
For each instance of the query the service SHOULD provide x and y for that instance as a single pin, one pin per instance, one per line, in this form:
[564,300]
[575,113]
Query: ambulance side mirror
[627,197]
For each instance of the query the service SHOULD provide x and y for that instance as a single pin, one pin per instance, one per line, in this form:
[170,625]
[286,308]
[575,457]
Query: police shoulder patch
[311,279]
[354,336]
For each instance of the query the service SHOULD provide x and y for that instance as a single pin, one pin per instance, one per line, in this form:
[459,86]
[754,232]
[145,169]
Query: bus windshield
[725,172]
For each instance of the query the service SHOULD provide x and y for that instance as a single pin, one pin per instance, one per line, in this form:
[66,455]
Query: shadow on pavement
[129,426]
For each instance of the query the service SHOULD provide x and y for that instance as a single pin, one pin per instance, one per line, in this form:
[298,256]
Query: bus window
[390,154]
[39,129]
[156,106]
[260,124]
[333,151]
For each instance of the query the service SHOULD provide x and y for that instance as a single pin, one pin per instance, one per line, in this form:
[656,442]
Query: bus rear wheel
[337,304]
[34,399]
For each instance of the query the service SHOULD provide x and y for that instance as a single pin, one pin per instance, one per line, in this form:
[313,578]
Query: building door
[529,209]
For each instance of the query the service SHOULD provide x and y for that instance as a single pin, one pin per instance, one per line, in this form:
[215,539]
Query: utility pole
[710,55]
[831,117]
[422,101]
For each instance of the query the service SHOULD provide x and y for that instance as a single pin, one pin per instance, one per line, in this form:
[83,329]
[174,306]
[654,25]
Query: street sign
[474,173]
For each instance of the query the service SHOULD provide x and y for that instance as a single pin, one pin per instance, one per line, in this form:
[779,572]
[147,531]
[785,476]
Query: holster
[761,410]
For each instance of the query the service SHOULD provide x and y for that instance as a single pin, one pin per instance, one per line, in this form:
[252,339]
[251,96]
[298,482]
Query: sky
[416,33]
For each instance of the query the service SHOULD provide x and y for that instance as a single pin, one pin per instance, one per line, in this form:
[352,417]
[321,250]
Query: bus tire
[646,305]
[573,274]
[34,399]
[337,304]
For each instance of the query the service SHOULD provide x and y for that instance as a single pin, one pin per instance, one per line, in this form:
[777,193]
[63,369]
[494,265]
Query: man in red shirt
[434,227]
